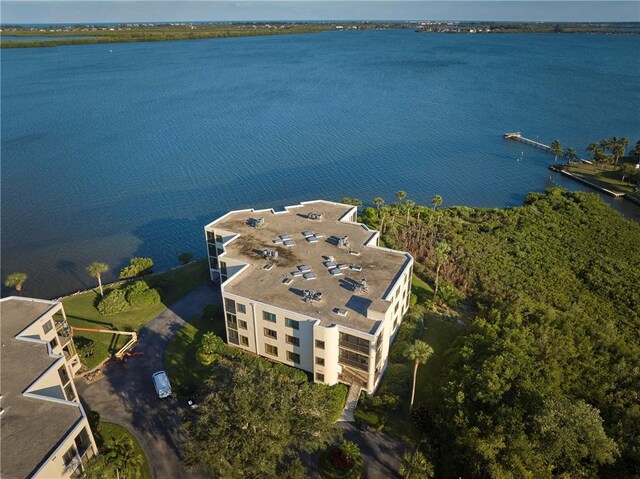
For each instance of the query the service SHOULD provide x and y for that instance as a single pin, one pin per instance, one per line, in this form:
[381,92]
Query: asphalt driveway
[126,394]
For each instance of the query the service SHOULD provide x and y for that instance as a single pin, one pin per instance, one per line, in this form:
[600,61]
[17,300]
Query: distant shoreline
[100,33]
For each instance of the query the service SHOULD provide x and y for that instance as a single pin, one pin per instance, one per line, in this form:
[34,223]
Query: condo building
[44,432]
[309,287]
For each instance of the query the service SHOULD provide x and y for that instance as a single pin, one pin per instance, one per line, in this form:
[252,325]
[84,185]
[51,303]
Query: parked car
[162,384]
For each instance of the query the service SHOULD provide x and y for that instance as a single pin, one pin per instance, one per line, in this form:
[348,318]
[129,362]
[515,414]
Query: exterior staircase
[352,402]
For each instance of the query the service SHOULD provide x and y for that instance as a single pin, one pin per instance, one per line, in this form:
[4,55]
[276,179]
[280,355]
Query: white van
[161,382]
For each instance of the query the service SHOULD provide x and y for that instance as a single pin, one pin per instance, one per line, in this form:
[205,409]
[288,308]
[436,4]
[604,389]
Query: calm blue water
[113,151]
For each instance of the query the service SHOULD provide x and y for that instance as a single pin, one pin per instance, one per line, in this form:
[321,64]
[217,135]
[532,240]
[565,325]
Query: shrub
[421,418]
[209,348]
[448,295]
[371,418]
[338,399]
[113,302]
[136,267]
[397,379]
[386,401]
[140,296]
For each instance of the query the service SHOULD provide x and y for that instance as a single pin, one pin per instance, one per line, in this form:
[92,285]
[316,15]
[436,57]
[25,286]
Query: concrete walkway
[126,395]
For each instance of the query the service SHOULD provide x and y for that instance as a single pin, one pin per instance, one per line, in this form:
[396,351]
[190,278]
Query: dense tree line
[545,380]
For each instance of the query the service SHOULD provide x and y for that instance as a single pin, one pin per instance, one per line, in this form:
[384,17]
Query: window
[69,456]
[293,340]
[270,333]
[213,251]
[353,359]
[64,375]
[233,336]
[213,262]
[294,357]
[397,306]
[54,342]
[68,391]
[354,342]
[244,340]
[319,377]
[230,305]
[232,321]
[82,441]
[223,268]
[220,251]
[47,327]
[319,344]
[320,361]
[219,238]
[292,323]
[270,349]
[242,324]
[211,237]
[269,316]
[241,308]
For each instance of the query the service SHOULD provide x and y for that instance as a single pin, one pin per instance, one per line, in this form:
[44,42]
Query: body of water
[121,150]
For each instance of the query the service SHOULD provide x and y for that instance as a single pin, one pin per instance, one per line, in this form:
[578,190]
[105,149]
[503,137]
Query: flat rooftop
[30,428]
[380,267]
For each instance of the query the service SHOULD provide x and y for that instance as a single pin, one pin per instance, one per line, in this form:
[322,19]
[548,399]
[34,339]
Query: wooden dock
[517,136]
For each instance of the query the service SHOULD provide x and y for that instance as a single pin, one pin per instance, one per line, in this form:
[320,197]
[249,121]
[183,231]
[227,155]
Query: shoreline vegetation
[156,32]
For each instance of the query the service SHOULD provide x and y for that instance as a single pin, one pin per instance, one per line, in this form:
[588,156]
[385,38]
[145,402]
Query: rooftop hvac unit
[310,296]
[344,241]
[315,216]
[270,254]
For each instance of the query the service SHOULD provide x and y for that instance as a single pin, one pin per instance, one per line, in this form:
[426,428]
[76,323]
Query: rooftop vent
[318,235]
[304,268]
[267,266]
[309,276]
[309,295]
[296,274]
[343,242]
[287,281]
[361,286]
[335,272]
[356,267]
[288,243]
[285,237]
[277,241]
[312,239]
[329,264]
[307,233]
[340,311]
[315,216]
[354,253]
[343,266]
[270,253]
[256,222]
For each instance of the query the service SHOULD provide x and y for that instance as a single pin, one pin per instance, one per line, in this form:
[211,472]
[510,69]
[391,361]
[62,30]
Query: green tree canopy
[254,420]
[15,280]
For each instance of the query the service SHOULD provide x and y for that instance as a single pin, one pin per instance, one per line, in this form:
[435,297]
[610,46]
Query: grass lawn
[185,372]
[81,312]
[110,431]
[609,178]
[421,289]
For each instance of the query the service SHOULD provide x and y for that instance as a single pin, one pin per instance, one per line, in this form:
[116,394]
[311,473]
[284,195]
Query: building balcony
[362,348]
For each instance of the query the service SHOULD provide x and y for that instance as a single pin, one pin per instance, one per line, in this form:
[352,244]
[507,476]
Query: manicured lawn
[185,371]
[81,312]
[110,431]
[608,178]
[421,289]
[439,334]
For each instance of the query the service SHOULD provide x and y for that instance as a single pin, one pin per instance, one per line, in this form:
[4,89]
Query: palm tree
[378,201]
[570,155]
[16,280]
[401,195]
[96,269]
[409,204]
[442,255]
[415,465]
[556,149]
[418,352]
[351,450]
[618,147]
[124,458]
[436,201]
[628,170]
[636,151]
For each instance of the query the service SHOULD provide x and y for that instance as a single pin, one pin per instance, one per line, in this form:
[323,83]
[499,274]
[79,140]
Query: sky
[84,11]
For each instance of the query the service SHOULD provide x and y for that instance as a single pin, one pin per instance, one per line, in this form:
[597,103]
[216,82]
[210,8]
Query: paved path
[381,453]
[126,394]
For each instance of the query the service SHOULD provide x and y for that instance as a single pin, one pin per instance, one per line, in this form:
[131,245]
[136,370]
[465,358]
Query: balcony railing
[354,364]
[363,348]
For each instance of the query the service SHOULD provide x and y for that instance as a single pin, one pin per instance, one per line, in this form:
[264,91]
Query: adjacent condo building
[43,427]
[309,287]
